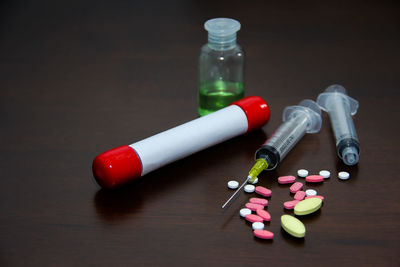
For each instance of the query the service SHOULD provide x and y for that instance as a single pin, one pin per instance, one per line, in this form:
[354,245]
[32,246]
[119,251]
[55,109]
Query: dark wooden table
[80,77]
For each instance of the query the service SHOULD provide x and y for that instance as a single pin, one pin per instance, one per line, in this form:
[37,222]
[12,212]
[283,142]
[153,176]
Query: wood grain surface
[80,77]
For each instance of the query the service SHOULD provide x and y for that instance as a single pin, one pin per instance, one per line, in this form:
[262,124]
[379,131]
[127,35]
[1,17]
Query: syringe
[340,108]
[297,120]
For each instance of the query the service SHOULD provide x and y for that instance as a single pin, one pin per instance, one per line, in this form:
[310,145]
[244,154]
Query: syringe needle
[226,203]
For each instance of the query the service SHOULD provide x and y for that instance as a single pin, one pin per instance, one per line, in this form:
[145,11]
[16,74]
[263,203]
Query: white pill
[302,173]
[344,175]
[311,192]
[249,188]
[255,181]
[257,226]
[233,184]
[324,173]
[244,212]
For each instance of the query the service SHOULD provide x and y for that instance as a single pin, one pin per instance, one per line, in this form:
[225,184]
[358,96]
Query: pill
[263,191]
[302,173]
[257,226]
[253,206]
[324,173]
[293,226]
[311,192]
[263,234]
[259,201]
[286,179]
[264,214]
[344,175]
[299,195]
[314,178]
[320,197]
[254,182]
[289,205]
[253,218]
[249,188]
[245,211]
[233,184]
[296,187]
[307,206]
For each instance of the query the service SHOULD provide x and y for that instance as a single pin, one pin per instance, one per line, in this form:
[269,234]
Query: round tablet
[244,212]
[257,226]
[311,192]
[302,173]
[255,181]
[324,173]
[344,175]
[249,188]
[233,184]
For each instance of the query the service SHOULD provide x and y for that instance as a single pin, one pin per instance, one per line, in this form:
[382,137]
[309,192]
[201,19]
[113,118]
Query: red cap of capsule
[116,167]
[256,110]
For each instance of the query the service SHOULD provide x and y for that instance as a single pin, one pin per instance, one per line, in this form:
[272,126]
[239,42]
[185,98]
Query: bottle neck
[222,42]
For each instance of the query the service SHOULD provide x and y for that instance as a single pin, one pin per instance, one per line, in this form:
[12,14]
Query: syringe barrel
[340,108]
[123,164]
[297,121]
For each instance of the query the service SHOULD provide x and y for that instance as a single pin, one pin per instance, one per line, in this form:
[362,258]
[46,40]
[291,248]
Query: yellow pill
[293,226]
[307,206]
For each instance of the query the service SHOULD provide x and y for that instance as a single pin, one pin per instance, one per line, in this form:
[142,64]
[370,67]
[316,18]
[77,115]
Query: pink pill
[320,197]
[263,234]
[254,207]
[289,205]
[286,179]
[263,191]
[264,214]
[299,195]
[296,187]
[253,218]
[314,178]
[259,201]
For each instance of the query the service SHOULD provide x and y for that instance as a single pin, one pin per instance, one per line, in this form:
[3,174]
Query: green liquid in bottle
[219,94]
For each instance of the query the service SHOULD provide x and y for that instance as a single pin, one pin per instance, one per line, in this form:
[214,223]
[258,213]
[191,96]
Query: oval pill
[245,211]
[311,192]
[254,207]
[286,179]
[263,191]
[302,173]
[324,173]
[253,218]
[314,178]
[289,205]
[344,175]
[299,195]
[257,226]
[320,197]
[249,188]
[263,234]
[233,184]
[259,201]
[296,187]
[293,226]
[307,206]
[264,214]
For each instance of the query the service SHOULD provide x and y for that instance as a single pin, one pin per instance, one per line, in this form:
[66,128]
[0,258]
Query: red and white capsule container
[123,164]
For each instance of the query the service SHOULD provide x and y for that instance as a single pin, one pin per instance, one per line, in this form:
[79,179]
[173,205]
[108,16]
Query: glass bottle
[221,66]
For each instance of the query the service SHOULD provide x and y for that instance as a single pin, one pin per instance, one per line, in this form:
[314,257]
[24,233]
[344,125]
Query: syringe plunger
[340,108]
[297,120]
